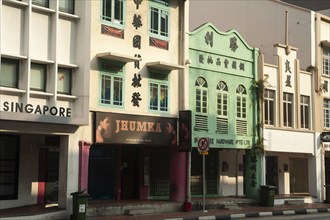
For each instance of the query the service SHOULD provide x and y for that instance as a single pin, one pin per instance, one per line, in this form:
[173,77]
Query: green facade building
[224,104]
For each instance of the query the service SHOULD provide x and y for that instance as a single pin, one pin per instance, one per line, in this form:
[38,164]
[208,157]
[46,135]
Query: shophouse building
[322,91]
[289,125]
[134,102]
[44,98]
[222,96]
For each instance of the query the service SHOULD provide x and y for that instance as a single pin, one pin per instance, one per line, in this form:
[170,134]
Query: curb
[256,214]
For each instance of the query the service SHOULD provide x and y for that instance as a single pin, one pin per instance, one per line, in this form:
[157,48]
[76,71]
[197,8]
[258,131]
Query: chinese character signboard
[185,131]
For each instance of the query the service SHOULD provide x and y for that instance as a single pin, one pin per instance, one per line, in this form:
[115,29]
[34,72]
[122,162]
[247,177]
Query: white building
[135,66]
[289,122]
[44,96]
[322,84]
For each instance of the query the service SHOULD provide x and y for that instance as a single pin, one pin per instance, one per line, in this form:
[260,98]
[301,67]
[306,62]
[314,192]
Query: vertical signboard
[185,131]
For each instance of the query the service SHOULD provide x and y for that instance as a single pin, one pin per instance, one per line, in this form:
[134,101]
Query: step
[232,206]
[295,202]
[144,211]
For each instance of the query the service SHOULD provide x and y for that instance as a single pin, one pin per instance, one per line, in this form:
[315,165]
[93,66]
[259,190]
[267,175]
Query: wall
[102,43]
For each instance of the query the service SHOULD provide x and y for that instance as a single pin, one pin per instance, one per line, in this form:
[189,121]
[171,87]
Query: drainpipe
[322,152]
[237,155]
[184,105]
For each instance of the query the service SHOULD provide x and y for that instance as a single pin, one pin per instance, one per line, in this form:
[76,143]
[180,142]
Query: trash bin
[79,205]
[327,194]
[267,195]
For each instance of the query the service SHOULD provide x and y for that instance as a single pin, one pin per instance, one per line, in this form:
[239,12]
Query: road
[316,216]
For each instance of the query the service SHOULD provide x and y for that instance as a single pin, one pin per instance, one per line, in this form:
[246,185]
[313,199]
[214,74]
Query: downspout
[182,83]
[184,87]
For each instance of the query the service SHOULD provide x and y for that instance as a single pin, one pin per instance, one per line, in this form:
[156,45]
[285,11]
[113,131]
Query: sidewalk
[243,212]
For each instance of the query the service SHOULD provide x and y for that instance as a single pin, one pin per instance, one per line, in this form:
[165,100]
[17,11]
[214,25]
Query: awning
[117,57]
[164,66]
[325,43]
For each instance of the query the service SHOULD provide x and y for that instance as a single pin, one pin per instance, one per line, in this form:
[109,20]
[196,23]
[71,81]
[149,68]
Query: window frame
[326,113]
[112,76]
[111,20]
[41,3]
[70,80]
[304,112]
[288,110]
[16,77]
[158,83]
[161,8]
[16,139]
[241,102]
[45,69]
[67,9]
[201,87]
[222,93]
[268,102]
[326,61]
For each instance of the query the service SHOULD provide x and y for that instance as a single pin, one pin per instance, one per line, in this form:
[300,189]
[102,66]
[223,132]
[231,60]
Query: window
[9,73]
[269,107]
[113,12]
[326,113]
[9,158]
[159,21]
[43,3]
[222,108]
[112,82]
[164,2]
[64,79]
[304,111]
[326,61]
[241,102]
[38,77]
[201,117]
[66,6]
[201,95]
[222,99]
[158,91]
[287,110]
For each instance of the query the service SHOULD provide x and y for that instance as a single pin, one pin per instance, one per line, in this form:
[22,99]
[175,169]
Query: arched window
[201,95]
[201,117]
[222,108]
[222,99]
[241,105]
[241,102]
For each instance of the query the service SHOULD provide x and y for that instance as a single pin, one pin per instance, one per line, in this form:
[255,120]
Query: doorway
[101,175]
[327,167]
[298,175]
[272,171]
[52,175]
[129,172]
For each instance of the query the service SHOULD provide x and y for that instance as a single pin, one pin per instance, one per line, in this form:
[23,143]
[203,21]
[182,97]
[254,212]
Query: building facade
[44,97]
[134,88]
[322,91]
[289,133]
[222,96]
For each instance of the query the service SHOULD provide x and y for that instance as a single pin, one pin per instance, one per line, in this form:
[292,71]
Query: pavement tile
[244,212]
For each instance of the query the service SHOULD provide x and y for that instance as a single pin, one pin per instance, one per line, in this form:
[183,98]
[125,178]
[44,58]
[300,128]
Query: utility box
[267,194]
[79,205]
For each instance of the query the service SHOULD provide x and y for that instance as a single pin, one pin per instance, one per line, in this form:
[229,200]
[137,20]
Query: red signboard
[112,31]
